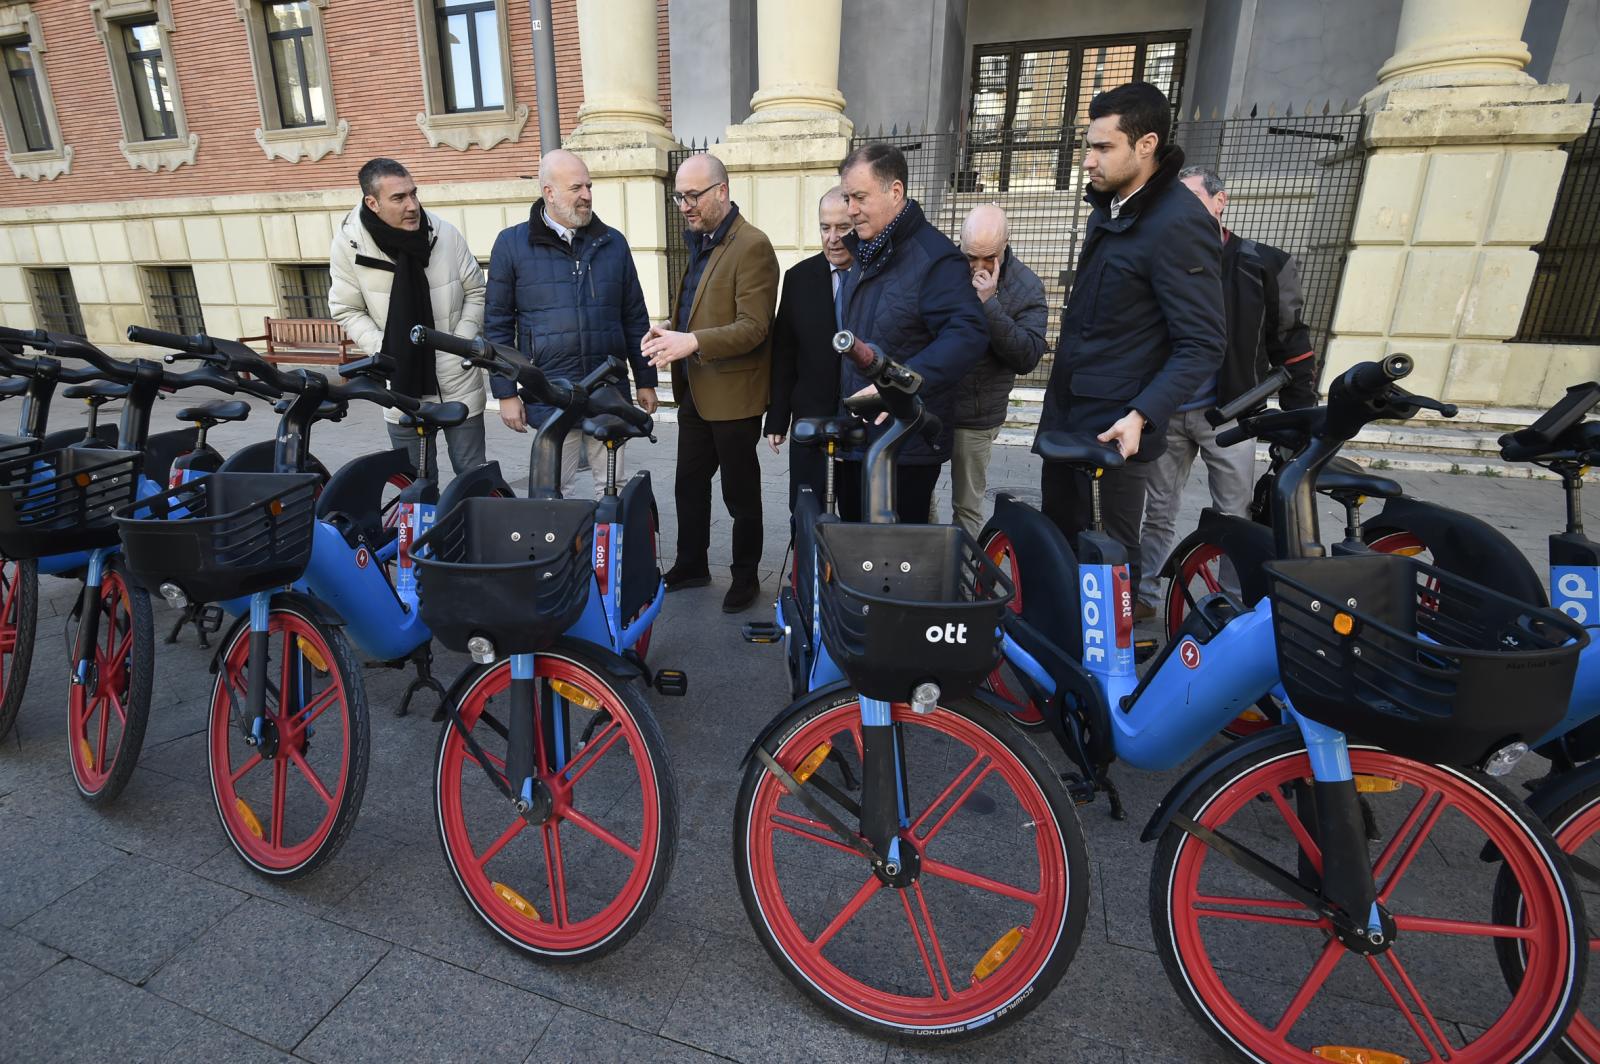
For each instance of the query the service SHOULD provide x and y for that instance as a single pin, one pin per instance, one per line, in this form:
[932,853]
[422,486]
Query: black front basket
[222,535]
[903,604]
[1419,660]
[61,501]
[516,571]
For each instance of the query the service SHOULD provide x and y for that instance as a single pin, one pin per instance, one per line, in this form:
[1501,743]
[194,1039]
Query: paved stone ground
[134,933]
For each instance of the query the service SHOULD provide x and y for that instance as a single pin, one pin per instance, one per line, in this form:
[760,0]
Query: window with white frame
[289,54]
[466,74]
[34,148]
[138,39]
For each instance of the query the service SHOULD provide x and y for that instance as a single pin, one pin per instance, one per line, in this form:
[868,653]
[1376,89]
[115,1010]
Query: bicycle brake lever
[1423,402]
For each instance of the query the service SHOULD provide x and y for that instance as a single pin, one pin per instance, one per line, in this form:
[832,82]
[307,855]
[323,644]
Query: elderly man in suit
[720,355]
[805,367]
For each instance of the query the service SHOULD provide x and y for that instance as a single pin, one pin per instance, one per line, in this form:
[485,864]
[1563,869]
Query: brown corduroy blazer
[730,377]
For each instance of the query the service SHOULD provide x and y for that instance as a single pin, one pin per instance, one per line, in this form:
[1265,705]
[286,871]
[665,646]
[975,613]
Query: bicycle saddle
[13,386]
[439,415]
[1342,476]
[608,428]
[811,431]
[1077,448]
[105,391]
[328,411]
[216,411]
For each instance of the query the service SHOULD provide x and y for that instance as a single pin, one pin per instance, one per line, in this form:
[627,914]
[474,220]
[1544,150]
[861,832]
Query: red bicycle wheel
[987,921]
[1199,573]
[106,716]
[288,802]
[1265,975]
[19,611]
[1001,551]
[389,502]
[577,877]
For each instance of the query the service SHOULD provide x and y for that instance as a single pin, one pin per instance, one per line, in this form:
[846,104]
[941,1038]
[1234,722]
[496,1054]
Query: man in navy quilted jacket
[563,290]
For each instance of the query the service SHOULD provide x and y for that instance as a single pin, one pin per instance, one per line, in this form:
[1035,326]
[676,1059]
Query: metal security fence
[677,250]
[1564,303]
[1293,182]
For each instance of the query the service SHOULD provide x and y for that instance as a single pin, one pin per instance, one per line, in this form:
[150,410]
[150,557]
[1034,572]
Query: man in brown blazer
[721,361]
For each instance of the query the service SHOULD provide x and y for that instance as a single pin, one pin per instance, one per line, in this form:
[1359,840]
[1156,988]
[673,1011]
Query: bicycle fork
[89,608]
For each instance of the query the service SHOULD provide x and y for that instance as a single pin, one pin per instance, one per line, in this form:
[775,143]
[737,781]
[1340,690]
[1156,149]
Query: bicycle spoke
[1437,926]
[1413,848]
[316,707]
[1308,845]
[1234,909]
[972,879]
[288,661]
[1405,1010]
[246,767]
[593,751]
[601,833]
[1308,989]
[517,824]
[795,825]
[104,731]
[1213,585]
[311,778]
[116,704]
[1416,995]
[922,949]
[280,782]
[851,907]
[556,873]
[933,940]
[956,805]
[1403,832]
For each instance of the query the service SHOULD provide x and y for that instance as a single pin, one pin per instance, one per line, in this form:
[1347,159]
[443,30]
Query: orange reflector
[998,954]
[312,655]
[1376,784]
[517,902]
[82,480]
[812,762]
[248,815]
[1253,715]
[275,507]
[1343,623]
[1408,552]
[87,753]
[576,695]
[1357,1055]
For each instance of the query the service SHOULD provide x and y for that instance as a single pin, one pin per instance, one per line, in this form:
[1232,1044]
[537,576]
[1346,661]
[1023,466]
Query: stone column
[617,44]
[786,154]
[1460,183]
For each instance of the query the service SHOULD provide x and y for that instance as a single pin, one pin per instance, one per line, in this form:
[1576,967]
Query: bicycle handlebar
[1269,386]
[198,344]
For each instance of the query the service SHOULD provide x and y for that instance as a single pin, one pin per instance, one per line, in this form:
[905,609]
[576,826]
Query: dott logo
[946,633]
[1189,654]
[1094,634]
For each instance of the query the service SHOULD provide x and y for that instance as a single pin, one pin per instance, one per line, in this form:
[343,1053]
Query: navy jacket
[1143,329]
[567,311]
[915,304]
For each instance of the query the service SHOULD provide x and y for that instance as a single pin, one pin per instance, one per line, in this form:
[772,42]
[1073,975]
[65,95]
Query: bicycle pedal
[210,618]
[1080,790]
[762,632]
[674,682]
[1143,650]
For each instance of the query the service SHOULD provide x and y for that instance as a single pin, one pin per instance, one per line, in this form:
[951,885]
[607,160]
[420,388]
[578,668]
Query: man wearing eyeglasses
[720,357]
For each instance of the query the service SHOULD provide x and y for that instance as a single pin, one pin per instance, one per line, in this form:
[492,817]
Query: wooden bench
[317,341]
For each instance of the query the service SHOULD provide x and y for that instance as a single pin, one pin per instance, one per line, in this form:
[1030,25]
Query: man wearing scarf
[394,266]
[910,296]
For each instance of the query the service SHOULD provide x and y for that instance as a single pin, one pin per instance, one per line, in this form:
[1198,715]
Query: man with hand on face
[1143,327]
[1013,303]
[393,265]
[720,356]
[564,291]
[805,367]
[910,297]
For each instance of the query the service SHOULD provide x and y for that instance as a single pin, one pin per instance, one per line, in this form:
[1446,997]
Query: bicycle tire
[122,675]
[1535,1015]
[262,845]
[464,801]
[1035,962]
[19,616]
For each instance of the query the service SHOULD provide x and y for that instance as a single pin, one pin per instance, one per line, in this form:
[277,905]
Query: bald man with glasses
[720,357]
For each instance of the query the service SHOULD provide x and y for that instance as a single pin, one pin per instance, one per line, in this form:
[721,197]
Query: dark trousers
[913,491]
[703,448]
[1069,503]
[807,466]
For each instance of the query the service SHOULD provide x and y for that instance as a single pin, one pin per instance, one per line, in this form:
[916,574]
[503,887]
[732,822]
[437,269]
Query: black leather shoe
[678,578]
[741,595]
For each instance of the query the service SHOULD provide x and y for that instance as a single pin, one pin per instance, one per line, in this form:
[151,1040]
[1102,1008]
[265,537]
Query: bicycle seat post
[828,493]
[1095,524]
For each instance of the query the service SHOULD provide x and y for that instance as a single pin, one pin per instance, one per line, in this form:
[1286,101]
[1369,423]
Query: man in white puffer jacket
[386,253]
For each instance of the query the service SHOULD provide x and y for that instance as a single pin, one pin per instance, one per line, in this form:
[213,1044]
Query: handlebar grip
[449,343]
[23,336]
[1236,435]
[1270,385]
[198,344]
[1371,379]
[848,345]
[610,402]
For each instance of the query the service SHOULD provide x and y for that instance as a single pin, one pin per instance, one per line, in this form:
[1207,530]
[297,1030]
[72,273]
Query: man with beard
[393,266]
[1143,327]
[564,291]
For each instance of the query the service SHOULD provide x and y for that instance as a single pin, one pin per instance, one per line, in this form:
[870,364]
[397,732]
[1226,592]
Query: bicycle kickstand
[423,660]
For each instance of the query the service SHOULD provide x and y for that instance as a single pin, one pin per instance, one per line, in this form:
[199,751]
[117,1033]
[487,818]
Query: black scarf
[416,373]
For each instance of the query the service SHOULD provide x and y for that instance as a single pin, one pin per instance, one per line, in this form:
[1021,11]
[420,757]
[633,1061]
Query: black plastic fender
[1187,787]
[772,726]
[1557,792]
[1461,544]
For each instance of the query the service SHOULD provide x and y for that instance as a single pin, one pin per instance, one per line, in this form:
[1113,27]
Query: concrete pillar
[797,47]
[617,44]
[1460,183]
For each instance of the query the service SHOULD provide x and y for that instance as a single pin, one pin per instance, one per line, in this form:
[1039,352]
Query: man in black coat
[805,367]
[1143,328]
[1266,328]
[910,297]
